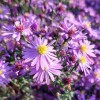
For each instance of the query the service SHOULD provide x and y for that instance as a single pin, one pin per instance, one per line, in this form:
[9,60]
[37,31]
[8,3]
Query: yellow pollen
[0,72]
[88,24]
[83,48]
[45,69]
[42,49]
[83,60]
[65,44]
[0,11]
[96,75]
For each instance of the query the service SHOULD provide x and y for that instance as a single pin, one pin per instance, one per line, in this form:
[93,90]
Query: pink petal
[51,76]
[42,77]
[34,61]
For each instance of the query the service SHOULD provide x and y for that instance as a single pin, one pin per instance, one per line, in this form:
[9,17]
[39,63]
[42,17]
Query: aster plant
[5,72]
[49,50]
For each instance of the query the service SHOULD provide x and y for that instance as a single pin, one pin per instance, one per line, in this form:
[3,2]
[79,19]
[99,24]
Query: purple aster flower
[9,44]
[61,9]
[86,49]
[91,11]
[40,53]
[86,24]
[70,30]
[44,76]
[84,63]
[94,77]
[97,74]
[80,95]
[4,73]
[20,67]
[4,12]
[22,26]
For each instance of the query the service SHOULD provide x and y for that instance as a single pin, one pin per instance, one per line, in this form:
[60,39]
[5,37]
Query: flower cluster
[5,72]
[50,48]
[43,60]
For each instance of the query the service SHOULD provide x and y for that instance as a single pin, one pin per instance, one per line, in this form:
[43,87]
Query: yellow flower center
[83,60]
[0,11]
[83,48]
[88,24]
[42,49]
[0,72]
[45,69]
[96,75]
[65,44]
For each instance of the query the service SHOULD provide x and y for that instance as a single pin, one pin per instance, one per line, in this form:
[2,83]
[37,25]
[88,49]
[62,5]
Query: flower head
[4,73]
[20,67]
[97,74]
[40,53]
[42,49]
[84,63]
[44,76]
[83,60]
[86,48]
[20,27]
[4,12]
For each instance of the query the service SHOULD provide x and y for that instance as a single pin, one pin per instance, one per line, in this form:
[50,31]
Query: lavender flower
[86,48]
[4,12]
[22,26]
[40,53]
[44,76]
[20,68]
[4,73]
[97,74]
[84,63]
